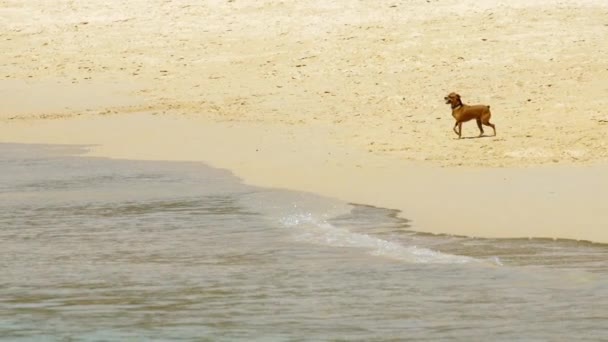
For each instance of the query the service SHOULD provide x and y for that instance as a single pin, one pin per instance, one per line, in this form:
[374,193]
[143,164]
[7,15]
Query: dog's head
[453,99]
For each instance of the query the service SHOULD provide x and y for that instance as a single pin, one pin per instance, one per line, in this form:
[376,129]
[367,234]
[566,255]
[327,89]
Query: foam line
[323,232]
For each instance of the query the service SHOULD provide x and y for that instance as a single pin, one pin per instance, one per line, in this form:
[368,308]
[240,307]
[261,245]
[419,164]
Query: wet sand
[341,100]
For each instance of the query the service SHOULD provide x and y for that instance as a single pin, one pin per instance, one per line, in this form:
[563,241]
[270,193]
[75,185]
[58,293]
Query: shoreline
[555,202]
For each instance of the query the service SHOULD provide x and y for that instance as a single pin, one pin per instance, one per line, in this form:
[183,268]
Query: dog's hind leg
[487,123]
[480,127]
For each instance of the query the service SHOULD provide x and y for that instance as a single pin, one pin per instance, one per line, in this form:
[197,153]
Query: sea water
[95,249]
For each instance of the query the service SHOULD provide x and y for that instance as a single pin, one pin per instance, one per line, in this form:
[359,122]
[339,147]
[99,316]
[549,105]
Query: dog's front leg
[459,125]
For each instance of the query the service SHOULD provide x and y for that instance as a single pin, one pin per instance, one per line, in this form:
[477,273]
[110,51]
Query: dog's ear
[457,96]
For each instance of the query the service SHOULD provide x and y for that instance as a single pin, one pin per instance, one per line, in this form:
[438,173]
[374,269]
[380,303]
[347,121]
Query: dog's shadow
[477,137]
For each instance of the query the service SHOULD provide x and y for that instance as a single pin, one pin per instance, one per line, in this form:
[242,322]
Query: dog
[463,113]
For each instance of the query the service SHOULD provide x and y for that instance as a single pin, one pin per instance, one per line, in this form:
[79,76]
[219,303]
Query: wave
[320,231]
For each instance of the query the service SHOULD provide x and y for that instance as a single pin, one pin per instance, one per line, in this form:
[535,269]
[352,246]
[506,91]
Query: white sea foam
[322,232]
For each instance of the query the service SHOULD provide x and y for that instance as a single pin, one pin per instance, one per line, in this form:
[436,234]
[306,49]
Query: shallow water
[96,249]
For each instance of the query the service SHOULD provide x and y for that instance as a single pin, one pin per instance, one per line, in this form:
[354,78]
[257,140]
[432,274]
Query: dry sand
[340,98]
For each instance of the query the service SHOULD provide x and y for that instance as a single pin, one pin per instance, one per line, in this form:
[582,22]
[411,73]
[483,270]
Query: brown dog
[463,113]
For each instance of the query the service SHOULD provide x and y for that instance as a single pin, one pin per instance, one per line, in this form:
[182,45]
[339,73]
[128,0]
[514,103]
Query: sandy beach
[343,99]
